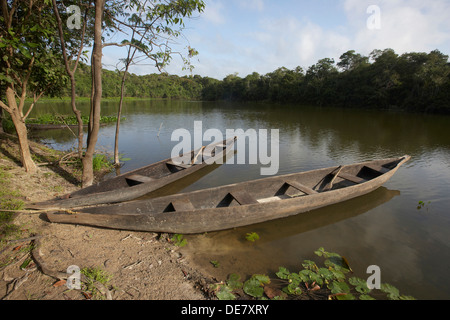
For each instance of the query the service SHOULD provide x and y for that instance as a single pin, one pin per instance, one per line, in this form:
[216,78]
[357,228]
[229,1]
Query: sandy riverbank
[141,265]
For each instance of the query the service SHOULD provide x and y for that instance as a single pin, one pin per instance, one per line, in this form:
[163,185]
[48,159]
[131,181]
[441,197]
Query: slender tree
[154,25]
[96,95]
[71,55]
[29,63]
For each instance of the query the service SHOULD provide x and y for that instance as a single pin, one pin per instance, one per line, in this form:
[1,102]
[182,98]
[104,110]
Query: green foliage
[7,124]
[255,285]
[101,162]
[225,293]
[423,204]
[95,274]
[252,236]
[234,281]
[67,119]
[29,51]
[359,284]
[215,263]
[331,279]
[393,293]
[412,81]
[9,200]
[156,86]
[178,240]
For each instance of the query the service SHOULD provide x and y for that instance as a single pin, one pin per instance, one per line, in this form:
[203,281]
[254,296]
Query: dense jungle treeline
[412,81]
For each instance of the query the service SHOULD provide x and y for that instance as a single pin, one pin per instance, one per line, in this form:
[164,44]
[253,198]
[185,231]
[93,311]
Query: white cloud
[290,42]
[405,25]
[231,40]
[214,12]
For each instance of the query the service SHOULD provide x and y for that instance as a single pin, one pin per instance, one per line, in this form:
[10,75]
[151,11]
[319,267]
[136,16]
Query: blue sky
[245,36]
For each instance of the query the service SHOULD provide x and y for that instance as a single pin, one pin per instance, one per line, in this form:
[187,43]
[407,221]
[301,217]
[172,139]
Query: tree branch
[35,99]
[4,106]
[24,86]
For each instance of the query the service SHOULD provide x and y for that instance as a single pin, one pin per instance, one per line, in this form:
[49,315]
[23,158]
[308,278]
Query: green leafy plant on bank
[331,278]
[178,240]
[252,236]
[423,204]
[94,274]
[101,162]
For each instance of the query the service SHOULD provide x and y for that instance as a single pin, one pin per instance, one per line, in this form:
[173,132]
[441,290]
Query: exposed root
[63,275]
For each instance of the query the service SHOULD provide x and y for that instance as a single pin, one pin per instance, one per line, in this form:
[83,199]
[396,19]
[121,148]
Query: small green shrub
[101,162]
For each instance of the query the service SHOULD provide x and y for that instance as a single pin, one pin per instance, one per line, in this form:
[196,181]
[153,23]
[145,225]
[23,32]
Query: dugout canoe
[239,204]
[139,182]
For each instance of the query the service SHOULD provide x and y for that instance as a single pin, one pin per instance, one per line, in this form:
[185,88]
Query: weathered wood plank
[301,187]
[273,199]
[380,169]
[139,178]
[243,197]
[183,205]
[329,185]
[352,178]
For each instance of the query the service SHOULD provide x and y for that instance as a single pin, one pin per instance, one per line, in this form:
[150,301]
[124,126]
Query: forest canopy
[413,81]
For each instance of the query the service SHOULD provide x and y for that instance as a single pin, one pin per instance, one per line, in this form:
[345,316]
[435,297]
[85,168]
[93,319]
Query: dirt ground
[141,266]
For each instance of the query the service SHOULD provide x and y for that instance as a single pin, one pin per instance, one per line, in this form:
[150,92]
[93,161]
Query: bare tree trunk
[1,120]
[21,130]
[78,116]
[119,112]
[128,61]
[96,67]
[71,74]
[119,115]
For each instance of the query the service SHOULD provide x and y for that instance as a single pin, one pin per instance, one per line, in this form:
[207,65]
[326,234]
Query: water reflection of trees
[345,134]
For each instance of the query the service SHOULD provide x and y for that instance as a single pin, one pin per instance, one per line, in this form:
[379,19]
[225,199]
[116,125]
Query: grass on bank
[67,119]
[12,198]
[9,200]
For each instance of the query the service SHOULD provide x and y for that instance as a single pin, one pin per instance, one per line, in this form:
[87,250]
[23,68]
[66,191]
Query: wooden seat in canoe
[243,197]
[351,178]
[301,187]
[379,169]
[183,205]
[137,178]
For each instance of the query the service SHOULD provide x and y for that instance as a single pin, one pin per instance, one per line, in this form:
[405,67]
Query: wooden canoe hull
[124,188]
[209,210]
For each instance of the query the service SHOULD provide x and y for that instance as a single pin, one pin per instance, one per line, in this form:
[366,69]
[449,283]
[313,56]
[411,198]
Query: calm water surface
[384,228]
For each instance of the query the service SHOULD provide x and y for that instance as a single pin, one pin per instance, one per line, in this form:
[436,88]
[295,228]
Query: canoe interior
[150,173]
[259,191]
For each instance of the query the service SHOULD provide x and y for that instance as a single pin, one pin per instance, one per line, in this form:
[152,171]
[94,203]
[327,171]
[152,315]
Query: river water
[385,228]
